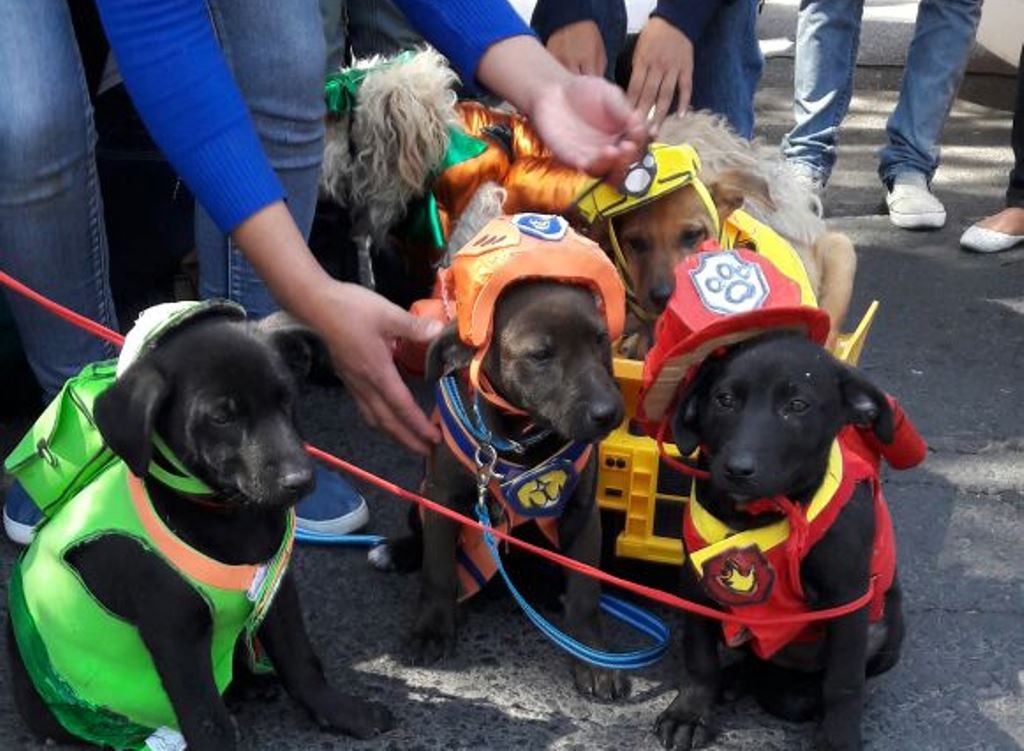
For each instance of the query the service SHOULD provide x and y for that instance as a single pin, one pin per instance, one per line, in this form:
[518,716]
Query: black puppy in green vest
[143,582]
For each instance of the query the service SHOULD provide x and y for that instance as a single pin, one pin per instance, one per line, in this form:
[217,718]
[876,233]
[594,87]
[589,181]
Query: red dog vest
[756,572]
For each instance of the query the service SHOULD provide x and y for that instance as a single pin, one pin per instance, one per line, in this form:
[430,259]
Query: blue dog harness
[518,493]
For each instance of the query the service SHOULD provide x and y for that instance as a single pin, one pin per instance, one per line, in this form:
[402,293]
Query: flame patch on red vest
[738,576]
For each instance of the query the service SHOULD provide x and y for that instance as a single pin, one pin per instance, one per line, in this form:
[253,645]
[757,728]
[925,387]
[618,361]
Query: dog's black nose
[605,414]
[660,293]
[740,466]
[296,481]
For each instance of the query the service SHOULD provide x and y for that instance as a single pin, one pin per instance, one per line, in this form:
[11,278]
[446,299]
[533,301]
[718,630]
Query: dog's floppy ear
[865,405]
[298,345]
[447,353]
[126,413]
[686,423]
[731,187]
[685,428]
[596,231]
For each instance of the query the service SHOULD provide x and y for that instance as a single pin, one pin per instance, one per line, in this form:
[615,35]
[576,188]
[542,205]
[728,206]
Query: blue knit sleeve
[463,29]
[184,92]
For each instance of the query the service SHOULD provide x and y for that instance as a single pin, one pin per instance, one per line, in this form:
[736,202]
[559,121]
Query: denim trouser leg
[943,40]
[827,38]
[610,17]
[370,27]
[51,215]
[276,52]
[1015,191]
[378,27]
[332,17]
[728,65]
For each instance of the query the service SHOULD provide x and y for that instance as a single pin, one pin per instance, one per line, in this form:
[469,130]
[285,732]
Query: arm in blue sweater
[185,93]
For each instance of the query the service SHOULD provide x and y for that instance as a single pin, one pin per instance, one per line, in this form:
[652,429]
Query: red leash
[96,329]
[650,593]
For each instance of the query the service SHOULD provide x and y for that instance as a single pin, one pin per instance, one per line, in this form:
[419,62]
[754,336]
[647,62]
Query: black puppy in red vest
[787,516]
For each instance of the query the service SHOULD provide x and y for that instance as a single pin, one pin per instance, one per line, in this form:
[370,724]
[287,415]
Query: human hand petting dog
[362,333]
[359,327]
[585,121]
[662,67]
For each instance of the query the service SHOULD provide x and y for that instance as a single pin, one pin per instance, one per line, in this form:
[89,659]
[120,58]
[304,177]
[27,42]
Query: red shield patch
[739,576]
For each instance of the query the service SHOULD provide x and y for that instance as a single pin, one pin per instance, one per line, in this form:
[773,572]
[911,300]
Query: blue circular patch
[541,226]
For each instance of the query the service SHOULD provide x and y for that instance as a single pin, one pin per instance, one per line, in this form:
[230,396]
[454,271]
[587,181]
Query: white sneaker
[912,205]
[984,240]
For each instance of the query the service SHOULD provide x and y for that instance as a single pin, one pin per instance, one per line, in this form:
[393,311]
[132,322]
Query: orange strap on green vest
[90,667]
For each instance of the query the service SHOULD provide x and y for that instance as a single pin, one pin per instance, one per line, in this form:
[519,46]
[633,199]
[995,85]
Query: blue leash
[360,541]
[633,616]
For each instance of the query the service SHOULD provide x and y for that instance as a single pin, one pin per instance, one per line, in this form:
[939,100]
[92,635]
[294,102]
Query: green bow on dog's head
[341,88]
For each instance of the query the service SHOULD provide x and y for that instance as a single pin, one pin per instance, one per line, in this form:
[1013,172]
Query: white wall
[1002,28]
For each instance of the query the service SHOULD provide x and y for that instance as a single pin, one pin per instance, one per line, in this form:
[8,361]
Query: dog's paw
[598,683]
[433,635]
[380,558]
[252,688]
[219,732]
[356,717]
[842,736]
[680,729]
[429,647]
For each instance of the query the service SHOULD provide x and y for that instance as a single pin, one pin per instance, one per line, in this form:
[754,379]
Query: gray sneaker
[813,182]
[912,204]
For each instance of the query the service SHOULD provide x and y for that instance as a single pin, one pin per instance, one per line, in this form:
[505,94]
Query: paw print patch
[541,226]
[543,491]
[727,285]
[640,177]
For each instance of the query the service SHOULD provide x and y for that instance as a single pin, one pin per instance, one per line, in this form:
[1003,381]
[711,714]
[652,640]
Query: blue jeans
[366,27]
[283,85]
[51,214]
[1015,191]
[727,63]
[828,35]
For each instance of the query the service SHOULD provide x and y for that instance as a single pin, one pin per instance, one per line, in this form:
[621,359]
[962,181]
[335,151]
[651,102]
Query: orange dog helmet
[518,248]
[721,298]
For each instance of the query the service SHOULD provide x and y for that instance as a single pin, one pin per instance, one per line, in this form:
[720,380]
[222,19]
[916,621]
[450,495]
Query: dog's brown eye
[223,412]
[636,245]
[797,406]
[726,400]
[542,354]
[692,237]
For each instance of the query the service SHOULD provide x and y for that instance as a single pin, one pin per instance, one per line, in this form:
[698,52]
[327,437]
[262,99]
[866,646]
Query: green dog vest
[89,666]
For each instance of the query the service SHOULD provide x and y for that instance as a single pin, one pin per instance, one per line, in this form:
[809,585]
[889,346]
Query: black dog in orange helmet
[787,516]
[525,388]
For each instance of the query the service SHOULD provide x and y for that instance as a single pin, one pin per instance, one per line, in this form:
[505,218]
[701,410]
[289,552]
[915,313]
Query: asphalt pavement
[949,341]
